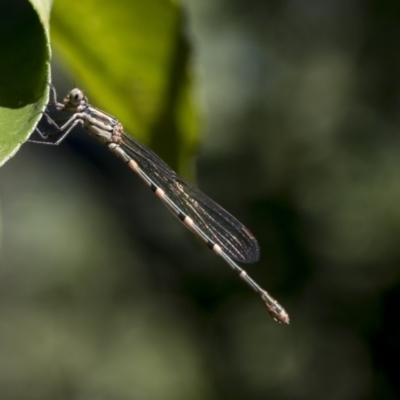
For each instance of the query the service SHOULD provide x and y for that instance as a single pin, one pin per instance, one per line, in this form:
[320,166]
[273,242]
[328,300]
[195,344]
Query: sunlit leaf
[132,59]
[24,70]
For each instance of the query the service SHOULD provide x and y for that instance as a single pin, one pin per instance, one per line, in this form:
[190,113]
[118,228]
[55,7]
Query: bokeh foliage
[132,59]
[104,295]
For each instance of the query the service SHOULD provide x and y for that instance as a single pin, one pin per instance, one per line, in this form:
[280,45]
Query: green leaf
[132,59]
[24,70]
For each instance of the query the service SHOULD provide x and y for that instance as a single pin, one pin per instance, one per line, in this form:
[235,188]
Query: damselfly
[223,233]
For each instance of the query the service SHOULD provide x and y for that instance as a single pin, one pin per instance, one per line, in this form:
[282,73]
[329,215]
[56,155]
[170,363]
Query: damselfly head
[75,99]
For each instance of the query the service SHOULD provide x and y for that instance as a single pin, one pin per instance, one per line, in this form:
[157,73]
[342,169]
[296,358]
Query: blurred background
[104,295]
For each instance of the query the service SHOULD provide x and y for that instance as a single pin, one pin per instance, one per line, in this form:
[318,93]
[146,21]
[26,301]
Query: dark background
[104,295]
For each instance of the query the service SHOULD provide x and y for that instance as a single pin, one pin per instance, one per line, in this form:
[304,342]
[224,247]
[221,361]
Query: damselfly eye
[75,96]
